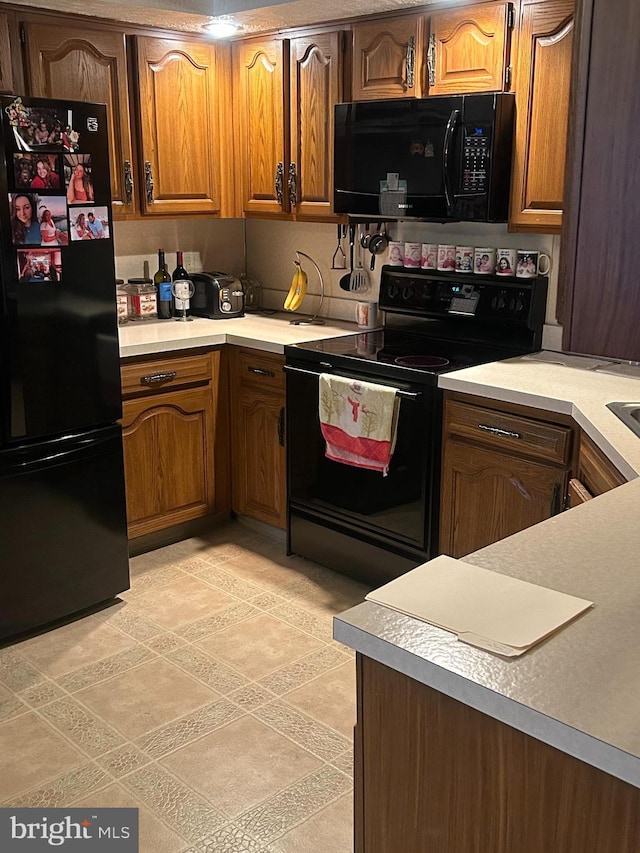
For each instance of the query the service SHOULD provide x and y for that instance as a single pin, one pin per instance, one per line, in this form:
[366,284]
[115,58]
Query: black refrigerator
[63,534]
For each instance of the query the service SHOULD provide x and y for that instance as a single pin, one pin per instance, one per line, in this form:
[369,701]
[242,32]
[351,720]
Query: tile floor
[211,696]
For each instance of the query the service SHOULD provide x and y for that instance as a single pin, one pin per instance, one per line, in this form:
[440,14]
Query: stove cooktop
[403,351]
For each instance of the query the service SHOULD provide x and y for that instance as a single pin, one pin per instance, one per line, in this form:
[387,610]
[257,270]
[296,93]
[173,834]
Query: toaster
[217,295]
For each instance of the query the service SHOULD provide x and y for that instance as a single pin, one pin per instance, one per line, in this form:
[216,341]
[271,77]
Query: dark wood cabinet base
[435,776]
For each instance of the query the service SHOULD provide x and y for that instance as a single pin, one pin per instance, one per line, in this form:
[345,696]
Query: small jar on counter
[142,295]
[122,302]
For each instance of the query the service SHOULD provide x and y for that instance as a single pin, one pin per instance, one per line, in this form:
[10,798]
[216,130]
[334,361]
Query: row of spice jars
[136,300]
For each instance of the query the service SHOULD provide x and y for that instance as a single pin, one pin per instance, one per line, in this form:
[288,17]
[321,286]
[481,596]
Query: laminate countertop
[267,333]
[578,691]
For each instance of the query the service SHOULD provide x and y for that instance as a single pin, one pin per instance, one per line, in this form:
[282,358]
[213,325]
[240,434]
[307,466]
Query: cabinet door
[6,65]
[88,65]
[487,495]
[542,81]
[386,58]
[178,126]
[168,458]
[316,85]
[258,440]
[259,67]
[469,49]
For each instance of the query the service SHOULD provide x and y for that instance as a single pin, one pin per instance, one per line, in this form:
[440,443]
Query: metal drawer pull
[261,371]
[128,182]
[157,378]
[505,433]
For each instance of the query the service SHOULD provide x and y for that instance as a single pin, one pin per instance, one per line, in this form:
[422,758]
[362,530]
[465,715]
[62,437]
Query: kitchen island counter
[267,333]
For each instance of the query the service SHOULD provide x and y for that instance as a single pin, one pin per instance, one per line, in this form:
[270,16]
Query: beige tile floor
[211,696]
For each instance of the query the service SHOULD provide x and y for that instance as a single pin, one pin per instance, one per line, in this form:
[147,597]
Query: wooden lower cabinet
[433,775]
[501,472]
[258,475]
[169,432]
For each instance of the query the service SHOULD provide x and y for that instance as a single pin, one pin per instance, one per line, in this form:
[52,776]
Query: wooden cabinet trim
[594,469]
[188,370]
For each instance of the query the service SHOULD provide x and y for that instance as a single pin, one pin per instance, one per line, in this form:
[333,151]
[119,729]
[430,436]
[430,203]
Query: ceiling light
[222,27]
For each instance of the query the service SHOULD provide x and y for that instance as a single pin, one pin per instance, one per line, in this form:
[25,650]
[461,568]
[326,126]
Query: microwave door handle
[446,148]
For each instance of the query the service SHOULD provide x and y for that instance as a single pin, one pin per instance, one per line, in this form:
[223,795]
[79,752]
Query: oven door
[395,509]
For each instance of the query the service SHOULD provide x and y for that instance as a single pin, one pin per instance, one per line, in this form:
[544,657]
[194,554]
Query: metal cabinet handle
[410,64]
[148,181]
[292,185]
[279,183]
[431,60]
[556,504]
[261,371]
[158,378]
[128,182]
[505,433]
[281,427]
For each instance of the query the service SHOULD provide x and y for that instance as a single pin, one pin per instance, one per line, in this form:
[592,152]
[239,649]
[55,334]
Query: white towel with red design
[359,421]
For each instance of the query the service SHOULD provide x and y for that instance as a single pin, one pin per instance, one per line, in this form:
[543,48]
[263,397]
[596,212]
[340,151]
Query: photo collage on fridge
[52,203]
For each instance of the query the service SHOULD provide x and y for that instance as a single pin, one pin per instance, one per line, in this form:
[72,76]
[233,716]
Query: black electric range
[357,521]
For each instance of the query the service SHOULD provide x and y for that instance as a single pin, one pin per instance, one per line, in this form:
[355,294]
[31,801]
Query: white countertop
[580,690]
[573,385]
[268,333]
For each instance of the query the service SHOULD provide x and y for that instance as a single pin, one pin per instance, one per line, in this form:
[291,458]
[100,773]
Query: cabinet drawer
[510,432]
[147,376]
[260,369]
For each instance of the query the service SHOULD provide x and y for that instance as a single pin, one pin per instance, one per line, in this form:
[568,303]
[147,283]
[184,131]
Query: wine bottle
[162,281]
[180,305]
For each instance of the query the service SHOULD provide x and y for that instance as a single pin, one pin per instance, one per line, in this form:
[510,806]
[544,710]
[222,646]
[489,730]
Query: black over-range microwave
[440,158]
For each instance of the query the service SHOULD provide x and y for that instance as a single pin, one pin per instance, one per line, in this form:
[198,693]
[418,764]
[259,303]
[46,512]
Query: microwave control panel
[475,161]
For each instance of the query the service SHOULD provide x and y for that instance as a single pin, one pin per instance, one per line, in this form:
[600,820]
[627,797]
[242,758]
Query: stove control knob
[393,291]
[408,292]
[501,302]
[519,304]
[494,303]
[512,304]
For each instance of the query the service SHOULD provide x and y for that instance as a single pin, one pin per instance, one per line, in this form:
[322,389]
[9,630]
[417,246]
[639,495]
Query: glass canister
[143,301]
[122,302]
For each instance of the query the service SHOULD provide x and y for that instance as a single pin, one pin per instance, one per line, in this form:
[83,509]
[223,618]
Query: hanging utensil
[345,281]
[339,260]
[378,244]
[359,280]
[365,237]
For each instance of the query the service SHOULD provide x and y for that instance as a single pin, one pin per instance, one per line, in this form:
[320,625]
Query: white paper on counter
[495,612]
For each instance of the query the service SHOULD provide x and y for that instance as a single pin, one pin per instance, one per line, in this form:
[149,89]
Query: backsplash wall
[208,244]
[271,248]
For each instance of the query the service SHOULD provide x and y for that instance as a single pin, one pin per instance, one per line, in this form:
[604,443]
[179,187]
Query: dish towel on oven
[359,421]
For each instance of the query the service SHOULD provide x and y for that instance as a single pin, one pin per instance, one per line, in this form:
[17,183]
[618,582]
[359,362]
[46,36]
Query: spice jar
[122,302]
[142,295]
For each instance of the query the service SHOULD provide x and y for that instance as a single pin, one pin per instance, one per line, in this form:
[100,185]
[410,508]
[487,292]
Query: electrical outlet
[192,261]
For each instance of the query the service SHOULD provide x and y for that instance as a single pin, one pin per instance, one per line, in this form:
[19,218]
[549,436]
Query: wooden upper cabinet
[542,82]
[468,49]
[87,65]
[6,65]
[260,75]
[179,127]
[316,85]
[386,58]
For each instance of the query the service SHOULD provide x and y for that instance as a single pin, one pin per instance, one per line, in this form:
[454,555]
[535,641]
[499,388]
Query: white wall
[209,244]
[271,248]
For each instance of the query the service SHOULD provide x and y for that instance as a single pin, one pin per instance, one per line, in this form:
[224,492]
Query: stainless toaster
[217,295]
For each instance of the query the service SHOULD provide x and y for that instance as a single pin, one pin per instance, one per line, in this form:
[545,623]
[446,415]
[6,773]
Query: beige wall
[209,244]
[271,248]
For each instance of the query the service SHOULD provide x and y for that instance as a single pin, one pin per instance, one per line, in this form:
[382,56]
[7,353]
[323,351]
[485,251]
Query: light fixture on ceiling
[222,27]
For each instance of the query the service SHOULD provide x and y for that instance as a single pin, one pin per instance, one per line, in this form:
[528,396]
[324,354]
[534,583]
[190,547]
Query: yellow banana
[297,290]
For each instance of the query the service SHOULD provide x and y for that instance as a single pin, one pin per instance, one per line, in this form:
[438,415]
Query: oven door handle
[405,395]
